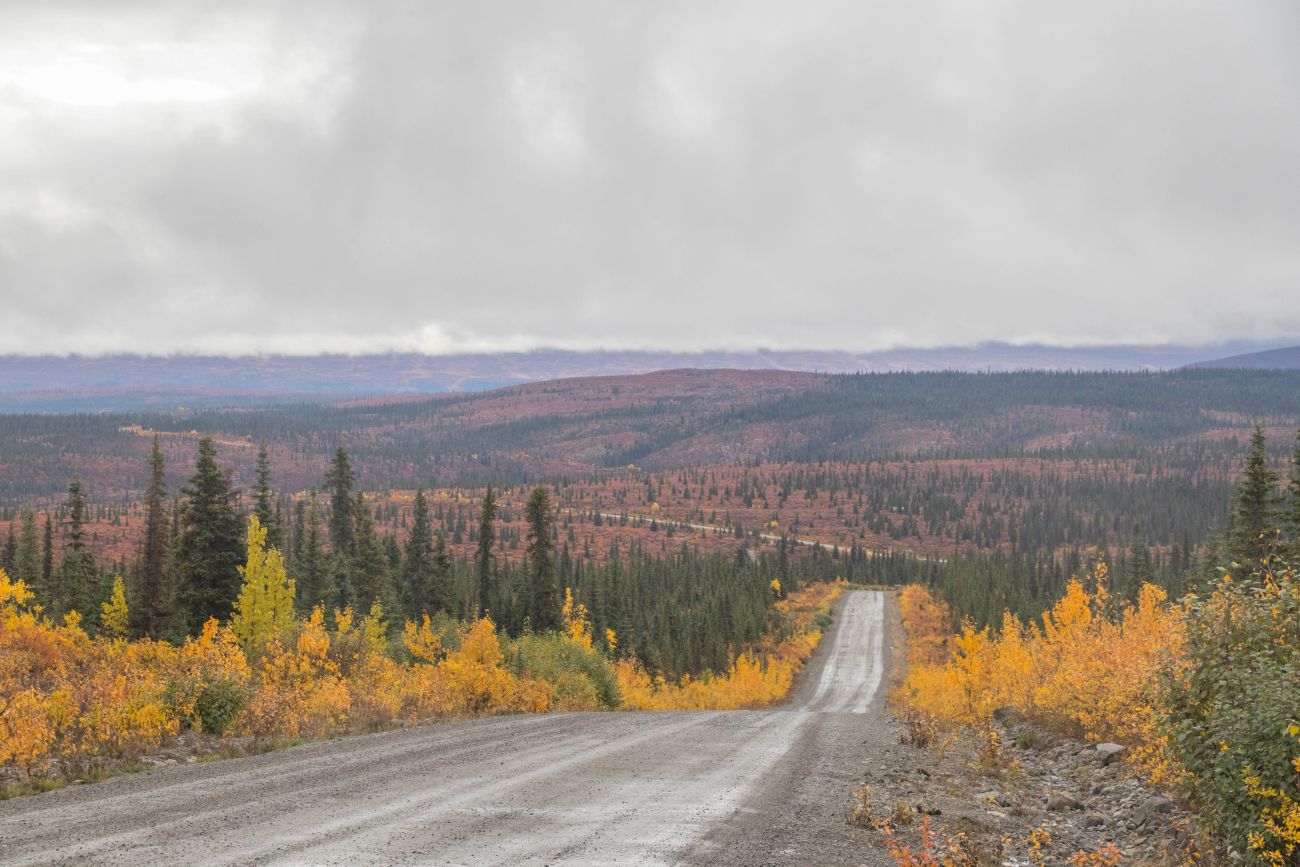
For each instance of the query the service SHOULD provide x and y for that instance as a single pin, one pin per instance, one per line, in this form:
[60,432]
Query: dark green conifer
[47,559]
[154,605]
[9,553]
[265,506]
[211,545]
[483,558]
[373,574]
[1293,497]
[418,562]
[78,580]
[27,565]
[1254,513]
[545,605]
[311,562]
[340,480]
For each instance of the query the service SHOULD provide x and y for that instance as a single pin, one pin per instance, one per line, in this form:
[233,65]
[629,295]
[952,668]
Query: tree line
[679,614]
[1263,521]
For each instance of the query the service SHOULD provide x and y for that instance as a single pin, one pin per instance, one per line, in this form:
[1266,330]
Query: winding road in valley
[737,787]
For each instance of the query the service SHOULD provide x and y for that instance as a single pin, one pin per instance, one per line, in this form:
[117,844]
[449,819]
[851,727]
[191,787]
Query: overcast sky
[282,177]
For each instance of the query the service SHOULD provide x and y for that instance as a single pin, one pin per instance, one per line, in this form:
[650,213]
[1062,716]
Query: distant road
[739,787]
[766,537]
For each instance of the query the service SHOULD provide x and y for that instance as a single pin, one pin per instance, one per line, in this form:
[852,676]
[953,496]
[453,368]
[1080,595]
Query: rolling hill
[1284,358]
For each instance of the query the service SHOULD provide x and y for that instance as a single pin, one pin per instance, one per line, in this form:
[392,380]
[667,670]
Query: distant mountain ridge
[128,382]
[1283,358]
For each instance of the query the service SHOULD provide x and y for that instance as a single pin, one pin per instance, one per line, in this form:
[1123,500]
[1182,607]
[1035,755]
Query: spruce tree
[373,575]
[211,543]
[1293,492]
[544,609]
[1254,516]
[155,601]
[441,589]
[9,553]
[298,536]
[78,579]
[47,560]
[487,534]
[27,565]
[311,563]
[418,562]
[341,480]
[264,505]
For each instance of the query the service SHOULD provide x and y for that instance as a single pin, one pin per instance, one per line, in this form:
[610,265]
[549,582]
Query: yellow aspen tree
[114,619]
[264,607]
[576,624]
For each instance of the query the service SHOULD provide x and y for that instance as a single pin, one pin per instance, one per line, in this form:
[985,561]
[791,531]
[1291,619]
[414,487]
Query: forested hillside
[997,486]
[590,427]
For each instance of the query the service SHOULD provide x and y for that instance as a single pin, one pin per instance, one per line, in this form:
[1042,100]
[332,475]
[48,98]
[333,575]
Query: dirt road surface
[738,787]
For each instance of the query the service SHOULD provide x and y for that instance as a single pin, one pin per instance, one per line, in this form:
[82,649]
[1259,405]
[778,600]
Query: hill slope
[138,382]
[1284,358]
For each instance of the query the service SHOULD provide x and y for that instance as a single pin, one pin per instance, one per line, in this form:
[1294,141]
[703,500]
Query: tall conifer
[264,505]
[155,597]
[417,561]
[373,576]
[1293,493]
[311,563]
[47,559]
[341,480]
[545,606]
[1254,514]
[78,576]
[211,543]
[27,565]
[487,533]
[9,553]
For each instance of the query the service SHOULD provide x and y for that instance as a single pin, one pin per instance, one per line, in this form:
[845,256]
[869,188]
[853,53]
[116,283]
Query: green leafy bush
[1232,710]
[581,677]
[219,704]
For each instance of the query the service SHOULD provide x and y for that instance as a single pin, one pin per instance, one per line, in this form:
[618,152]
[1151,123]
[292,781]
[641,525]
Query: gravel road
[740,787]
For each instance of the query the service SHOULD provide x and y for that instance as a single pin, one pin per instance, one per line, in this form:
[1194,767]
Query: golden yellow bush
[1087,669]
[928,622]
[66,693]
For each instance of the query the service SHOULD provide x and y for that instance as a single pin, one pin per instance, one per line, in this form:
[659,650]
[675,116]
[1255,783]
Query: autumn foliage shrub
[67,694]
[1204,693]
[1086,669]
[64,693]
[929,625]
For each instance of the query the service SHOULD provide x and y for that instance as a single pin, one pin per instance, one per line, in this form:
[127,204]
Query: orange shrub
[301,690]
[65,693]
[1085,670]
[928,622]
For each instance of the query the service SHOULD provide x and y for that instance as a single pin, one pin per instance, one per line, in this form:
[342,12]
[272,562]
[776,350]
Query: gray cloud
[186,176]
